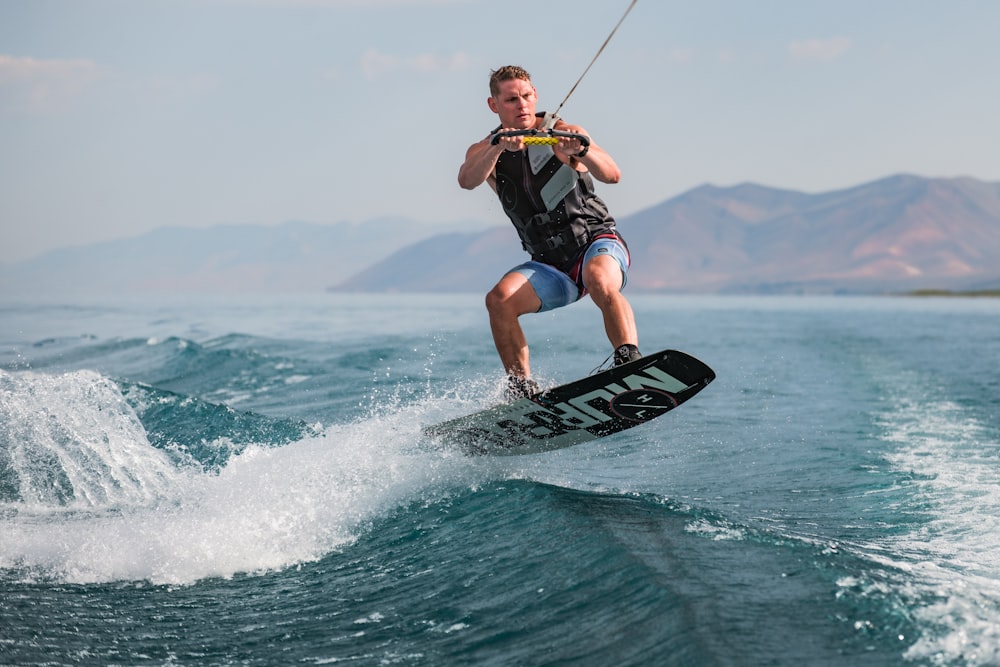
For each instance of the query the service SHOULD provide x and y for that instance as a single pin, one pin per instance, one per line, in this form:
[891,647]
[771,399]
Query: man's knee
[603,276]
[512,296]
[496,298]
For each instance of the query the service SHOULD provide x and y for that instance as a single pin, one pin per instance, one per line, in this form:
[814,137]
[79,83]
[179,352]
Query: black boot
[519,387]
[626,353]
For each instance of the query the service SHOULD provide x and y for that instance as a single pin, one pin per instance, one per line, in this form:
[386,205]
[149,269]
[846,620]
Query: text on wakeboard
[635,398]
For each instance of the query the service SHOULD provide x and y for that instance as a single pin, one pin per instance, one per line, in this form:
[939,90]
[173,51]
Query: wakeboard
[594,407]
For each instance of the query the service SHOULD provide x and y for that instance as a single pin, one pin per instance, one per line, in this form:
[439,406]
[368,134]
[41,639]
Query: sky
[121,116]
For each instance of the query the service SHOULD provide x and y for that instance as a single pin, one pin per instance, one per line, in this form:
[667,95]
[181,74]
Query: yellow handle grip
[549,141]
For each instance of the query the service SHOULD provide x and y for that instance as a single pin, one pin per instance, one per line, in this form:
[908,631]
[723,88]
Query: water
[243,481]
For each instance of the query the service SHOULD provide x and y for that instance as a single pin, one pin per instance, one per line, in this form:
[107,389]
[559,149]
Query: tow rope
[550,119]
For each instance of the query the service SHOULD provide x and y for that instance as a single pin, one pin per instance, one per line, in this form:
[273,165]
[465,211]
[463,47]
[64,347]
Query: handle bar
[534,136]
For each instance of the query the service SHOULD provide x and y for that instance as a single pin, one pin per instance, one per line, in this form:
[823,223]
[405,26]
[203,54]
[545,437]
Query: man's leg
[512,297]
[603,277]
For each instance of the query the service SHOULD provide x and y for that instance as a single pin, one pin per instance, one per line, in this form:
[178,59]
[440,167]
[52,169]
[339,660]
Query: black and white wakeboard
[570,414]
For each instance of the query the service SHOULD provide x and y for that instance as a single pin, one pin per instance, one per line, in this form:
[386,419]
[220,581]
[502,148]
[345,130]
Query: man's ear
[493,104]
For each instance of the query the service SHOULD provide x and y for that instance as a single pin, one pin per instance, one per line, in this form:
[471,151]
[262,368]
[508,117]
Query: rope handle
[543,137]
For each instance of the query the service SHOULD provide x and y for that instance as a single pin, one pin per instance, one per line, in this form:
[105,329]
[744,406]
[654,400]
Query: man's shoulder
[563,126]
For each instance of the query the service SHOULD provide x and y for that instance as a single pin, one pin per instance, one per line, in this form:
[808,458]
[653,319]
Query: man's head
[506,73]
[512,97]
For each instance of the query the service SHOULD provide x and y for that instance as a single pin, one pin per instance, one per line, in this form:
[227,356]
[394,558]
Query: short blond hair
[506,73]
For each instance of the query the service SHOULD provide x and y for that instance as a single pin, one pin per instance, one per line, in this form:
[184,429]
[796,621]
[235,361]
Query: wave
[294,378]
[231,368]
[98,499]
[90,496]
[632,577]
[70,440]
[107,480]
[207,433]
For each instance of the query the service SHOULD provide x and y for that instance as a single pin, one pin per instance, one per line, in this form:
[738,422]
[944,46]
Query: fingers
[513,144]
[573,146]
[569,146]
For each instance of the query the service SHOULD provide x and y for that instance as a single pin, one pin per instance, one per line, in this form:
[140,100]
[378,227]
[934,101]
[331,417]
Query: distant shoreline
[963,293]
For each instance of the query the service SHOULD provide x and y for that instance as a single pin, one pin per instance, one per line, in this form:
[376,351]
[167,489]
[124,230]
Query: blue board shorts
[555,288]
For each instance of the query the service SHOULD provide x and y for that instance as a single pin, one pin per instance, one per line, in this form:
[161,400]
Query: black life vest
[553,206]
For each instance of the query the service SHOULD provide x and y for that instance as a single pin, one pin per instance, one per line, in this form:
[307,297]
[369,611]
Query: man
[548,193]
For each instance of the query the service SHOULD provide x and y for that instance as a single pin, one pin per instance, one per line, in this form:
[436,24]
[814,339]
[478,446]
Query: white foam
[717,531]
[73,441]
[268,508]
[953,558]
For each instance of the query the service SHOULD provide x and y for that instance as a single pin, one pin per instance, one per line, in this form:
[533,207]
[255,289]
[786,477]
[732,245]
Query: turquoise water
[243,481]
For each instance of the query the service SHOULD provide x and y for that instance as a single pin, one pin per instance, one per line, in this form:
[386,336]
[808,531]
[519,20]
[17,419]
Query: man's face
[515,104]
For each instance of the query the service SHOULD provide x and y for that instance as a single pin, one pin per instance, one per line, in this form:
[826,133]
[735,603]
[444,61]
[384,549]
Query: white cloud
[680,56]
[44,85]
[375,63]
[819,49]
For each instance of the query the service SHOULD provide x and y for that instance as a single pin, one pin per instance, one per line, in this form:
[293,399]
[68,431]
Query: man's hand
[512,144]
[570,146]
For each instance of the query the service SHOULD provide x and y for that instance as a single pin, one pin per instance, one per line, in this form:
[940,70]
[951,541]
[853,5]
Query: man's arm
[480,160]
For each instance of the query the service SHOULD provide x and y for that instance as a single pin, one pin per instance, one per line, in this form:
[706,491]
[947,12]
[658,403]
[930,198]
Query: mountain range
[290,257]
[899,233]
